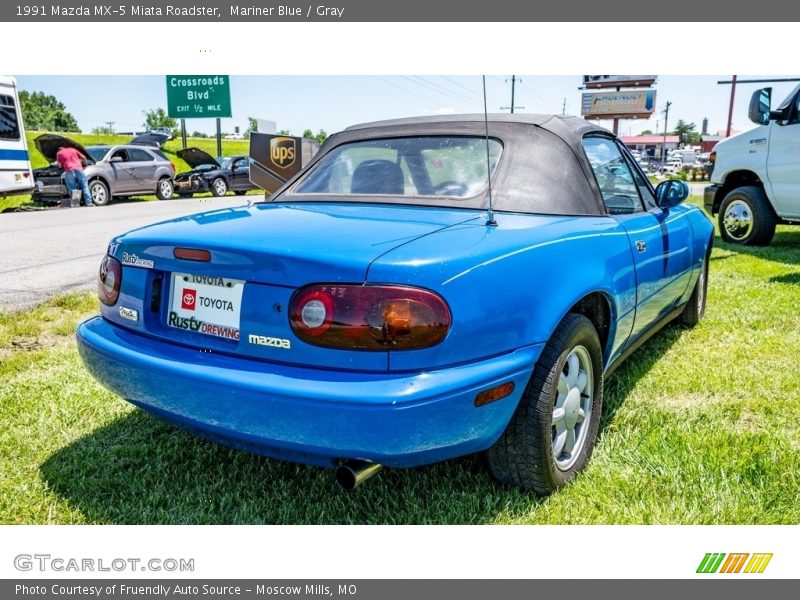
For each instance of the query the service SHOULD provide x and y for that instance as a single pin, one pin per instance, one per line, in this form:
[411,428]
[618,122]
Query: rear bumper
[307,415]
[709,195]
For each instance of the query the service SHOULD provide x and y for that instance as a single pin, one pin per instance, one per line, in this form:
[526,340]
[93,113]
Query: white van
[15,164]
[687,157]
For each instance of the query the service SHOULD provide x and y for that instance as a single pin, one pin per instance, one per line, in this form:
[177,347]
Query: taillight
[109,280]
[712,158]
[369,317]
[172,164]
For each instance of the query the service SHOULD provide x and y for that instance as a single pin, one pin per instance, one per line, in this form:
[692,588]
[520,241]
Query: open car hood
[49,143]
[150,138]
[194,157]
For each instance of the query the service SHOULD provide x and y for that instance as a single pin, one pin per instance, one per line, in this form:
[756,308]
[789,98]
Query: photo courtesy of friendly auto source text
[440,298]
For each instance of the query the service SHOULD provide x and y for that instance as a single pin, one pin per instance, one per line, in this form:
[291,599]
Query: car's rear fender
[510,286]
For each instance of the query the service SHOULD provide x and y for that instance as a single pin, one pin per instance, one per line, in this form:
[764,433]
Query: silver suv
[123,170]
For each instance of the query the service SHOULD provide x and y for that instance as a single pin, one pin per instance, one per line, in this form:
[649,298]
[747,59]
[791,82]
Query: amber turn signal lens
[494,394]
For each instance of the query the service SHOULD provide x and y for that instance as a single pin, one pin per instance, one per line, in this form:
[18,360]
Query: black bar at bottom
[729,587]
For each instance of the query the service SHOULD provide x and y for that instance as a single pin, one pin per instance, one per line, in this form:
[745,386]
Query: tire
[524,455]
[165,189]
[746,217]
[219,187]
[99,192]
[240,192]
[696,307]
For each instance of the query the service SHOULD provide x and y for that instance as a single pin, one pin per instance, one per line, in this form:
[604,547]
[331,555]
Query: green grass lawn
[170,149]
[700,427]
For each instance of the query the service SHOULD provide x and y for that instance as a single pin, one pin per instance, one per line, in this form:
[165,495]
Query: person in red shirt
[72,162]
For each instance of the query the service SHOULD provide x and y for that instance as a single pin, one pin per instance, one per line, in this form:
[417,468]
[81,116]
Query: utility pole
[564,107]
[110,126]
[730,107]
[513,82]
[664,147]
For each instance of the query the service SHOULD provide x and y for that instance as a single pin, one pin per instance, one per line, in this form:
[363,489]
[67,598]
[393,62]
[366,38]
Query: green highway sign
[198,96]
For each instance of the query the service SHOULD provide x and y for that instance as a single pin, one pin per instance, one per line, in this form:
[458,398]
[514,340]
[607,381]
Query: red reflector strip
[192,254]
[494,394]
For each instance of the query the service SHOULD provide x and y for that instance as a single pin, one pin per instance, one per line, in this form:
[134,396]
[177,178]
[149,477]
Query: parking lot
[50,252]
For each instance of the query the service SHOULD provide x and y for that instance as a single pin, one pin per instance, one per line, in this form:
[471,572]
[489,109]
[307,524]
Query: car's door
[783,161]
[143,170]
[240,174]
[120,173]
[659,239]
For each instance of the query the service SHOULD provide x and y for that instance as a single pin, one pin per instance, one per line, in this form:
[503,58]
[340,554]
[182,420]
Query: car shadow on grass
[141,470]
[784,248]
[619,385]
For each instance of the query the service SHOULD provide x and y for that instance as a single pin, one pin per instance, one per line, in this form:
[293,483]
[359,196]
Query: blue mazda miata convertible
[423,289]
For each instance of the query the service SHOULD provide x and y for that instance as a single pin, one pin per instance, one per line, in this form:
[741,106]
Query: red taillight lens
[172,164]
[372,317]
[109,280]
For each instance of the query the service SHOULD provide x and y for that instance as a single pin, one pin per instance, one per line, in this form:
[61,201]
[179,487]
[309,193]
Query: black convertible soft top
[543,168]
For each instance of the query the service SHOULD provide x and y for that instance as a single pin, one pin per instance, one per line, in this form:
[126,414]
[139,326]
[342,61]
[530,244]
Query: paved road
[45,253]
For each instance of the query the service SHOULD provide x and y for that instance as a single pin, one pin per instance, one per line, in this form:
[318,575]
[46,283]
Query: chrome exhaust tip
[353,473]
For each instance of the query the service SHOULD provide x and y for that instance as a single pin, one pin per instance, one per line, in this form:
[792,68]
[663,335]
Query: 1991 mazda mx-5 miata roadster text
[373,311]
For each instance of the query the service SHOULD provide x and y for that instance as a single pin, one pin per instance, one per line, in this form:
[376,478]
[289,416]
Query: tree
[686,132]
[284,132]
[252,126]
[157,117]
[199,134]
[44,112]
[647,132]
[102,130]
[320,136]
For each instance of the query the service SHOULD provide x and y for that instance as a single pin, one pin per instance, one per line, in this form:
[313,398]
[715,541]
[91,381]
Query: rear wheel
[99,193]
[219,187]
[554,429]
[746,217]
[165,189]
[696,307]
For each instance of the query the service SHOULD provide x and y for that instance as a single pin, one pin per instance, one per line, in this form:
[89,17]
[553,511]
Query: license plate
[206,304]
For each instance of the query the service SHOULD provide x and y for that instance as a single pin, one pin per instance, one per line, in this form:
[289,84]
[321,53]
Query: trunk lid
[259,256]
[150,138]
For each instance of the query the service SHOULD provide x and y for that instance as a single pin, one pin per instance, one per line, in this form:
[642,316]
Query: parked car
[378,310]
[217,175]
[124,170]
[755,175]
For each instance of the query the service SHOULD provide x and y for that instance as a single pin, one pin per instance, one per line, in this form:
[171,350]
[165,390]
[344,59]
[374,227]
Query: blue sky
[334,102]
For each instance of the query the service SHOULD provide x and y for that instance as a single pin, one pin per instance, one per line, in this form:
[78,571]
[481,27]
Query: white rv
[15,164]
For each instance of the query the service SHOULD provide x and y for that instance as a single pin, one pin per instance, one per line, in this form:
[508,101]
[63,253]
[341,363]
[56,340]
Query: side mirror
[115,159]
[760,103]
[671,193]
